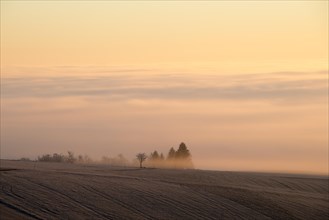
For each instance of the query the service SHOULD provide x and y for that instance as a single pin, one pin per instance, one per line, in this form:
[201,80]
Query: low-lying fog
[263,122]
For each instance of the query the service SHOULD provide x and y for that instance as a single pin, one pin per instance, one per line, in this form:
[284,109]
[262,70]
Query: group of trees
[175,159]
[69,158]
[180,158]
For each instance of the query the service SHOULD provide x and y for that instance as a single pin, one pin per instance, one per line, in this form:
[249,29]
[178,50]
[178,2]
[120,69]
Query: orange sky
[145,33]
[244,84]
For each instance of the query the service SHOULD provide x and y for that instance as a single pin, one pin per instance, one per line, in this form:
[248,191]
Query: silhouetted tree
[182,152]
[155,159]
[58,158]
[45,158]
[183,157]
[69,158]
[154,155]
[161,156]
[171,154]
[52,158]
[141,157]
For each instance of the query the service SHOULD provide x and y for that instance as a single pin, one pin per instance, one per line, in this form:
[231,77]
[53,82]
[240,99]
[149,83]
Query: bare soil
[34,190]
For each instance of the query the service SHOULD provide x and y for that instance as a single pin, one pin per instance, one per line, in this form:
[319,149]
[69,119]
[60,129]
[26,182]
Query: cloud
[281,86]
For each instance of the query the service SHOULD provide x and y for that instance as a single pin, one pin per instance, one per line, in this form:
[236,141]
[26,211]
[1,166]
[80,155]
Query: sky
[244,84]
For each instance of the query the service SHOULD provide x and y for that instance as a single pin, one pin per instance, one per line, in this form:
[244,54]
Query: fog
[258,122]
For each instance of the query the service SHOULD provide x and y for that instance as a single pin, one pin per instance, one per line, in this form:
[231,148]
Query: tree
[182,152]
[154,155]
[58,158]
[141,157]
[45,158]
[171,154]
[183,157]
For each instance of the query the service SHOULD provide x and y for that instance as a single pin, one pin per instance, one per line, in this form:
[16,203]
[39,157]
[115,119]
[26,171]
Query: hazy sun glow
[243,84]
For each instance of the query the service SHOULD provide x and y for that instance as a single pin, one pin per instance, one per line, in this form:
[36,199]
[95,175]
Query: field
[35,190]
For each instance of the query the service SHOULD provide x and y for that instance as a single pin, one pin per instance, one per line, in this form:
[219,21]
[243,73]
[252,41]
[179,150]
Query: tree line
[61,158]
[180,158]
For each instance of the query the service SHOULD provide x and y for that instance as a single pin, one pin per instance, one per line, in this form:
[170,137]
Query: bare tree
[141,157]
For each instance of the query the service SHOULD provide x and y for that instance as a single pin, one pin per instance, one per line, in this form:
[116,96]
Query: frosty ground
[36,190]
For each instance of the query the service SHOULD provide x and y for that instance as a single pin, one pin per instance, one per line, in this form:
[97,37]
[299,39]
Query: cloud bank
[271,86]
